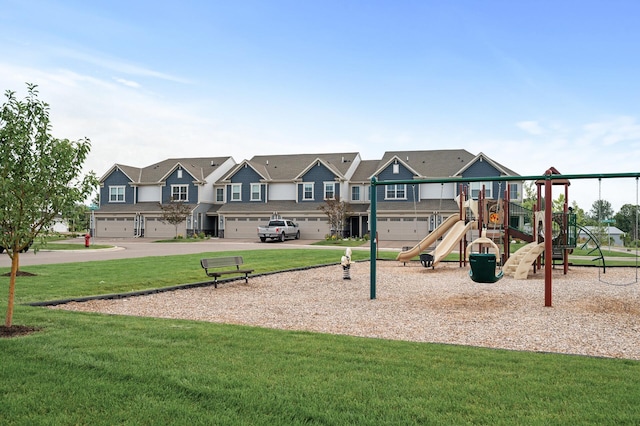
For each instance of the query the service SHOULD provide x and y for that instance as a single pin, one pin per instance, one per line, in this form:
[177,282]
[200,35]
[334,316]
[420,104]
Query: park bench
[212,267]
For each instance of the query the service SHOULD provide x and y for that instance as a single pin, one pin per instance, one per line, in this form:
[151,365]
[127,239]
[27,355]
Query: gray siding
[246,176]
[403,174]
[484,169]
[117,178]
[318,174]
[186,179]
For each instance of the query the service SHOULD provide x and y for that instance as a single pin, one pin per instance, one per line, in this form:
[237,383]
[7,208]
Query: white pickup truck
[279,229]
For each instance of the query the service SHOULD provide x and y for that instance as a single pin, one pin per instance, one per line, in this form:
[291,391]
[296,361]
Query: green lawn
[102,370]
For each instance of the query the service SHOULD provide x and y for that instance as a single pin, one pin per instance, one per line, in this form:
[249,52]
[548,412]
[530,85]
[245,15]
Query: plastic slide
[449,242]
[429,240]
[519,263]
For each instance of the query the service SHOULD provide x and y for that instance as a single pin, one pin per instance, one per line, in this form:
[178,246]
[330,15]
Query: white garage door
[246,228]
[114,227]
[313,228]
[402,229]
[155,228]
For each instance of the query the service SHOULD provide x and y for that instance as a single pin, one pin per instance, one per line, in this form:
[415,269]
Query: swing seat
[483,268]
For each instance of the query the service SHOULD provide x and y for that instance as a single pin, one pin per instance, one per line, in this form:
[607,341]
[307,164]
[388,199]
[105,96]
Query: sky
[531,84]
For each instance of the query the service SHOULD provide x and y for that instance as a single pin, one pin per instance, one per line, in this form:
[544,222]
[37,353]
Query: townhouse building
[230,200]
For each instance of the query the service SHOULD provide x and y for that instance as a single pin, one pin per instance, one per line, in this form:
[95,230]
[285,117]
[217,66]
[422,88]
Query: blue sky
[532,84]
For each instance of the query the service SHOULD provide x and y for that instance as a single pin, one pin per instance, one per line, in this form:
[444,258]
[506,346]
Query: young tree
[627,220]
[175,213]
[337,211]
[600,210]
[40,176]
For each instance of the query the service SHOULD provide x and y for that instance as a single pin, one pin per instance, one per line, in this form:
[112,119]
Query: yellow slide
[449,242]
[429,240]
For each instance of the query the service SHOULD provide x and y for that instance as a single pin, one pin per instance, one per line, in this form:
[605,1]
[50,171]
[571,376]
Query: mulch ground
[16,331]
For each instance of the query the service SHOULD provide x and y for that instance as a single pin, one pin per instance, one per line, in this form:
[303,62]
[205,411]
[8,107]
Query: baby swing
[483,265]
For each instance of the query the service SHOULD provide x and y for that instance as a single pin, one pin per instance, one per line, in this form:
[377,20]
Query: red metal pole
[548,243]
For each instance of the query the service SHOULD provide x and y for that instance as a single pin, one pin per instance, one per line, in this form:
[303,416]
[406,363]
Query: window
[236,192]
[396,192]
[255,192]
[116,194]
[476,187]
[513,191]
[329,190]
[179,173]
[307,191]
[355,193]
[220,195]
[179,193]
[396,168]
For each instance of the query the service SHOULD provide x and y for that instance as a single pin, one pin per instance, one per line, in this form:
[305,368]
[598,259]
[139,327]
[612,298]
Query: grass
[340,243]
[99,369]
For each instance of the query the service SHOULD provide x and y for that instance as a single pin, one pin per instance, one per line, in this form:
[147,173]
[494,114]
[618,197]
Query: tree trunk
[12,287]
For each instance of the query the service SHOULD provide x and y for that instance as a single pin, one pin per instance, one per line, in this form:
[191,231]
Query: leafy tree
[77,218]
[175,213]
[530,195]
[558,204]
[338,212]
[600,210]
[579,212]
[627,220]
[40,177]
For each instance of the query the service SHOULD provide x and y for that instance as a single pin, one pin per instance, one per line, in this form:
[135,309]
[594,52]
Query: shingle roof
[431,164]
[199,168]
[288,167]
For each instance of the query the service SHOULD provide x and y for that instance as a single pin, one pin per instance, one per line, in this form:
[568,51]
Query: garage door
[114,227]
[402,229]
[246,228]
[313,228]
[155,228]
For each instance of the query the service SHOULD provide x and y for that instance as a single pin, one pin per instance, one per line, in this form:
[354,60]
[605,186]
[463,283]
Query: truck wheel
[283,237]
[298,235]
[263,239]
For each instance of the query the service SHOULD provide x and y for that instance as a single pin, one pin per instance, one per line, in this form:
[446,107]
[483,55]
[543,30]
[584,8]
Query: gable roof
[480,157]
[131,172]
[156,173]
[365,170]
[428,164]
[286,168]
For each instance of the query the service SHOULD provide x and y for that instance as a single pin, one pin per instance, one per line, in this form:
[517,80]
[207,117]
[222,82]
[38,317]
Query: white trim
[304,192]
[252,192]
[124,192]
[239,186]
[325,187]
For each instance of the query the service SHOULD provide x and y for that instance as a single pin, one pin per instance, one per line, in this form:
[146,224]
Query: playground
[419,304]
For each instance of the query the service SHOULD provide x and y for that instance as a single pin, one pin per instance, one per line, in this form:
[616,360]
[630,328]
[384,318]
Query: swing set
[486,263]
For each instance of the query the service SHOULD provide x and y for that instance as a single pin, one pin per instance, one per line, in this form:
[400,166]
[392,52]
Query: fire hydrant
[87,239]
[346,264]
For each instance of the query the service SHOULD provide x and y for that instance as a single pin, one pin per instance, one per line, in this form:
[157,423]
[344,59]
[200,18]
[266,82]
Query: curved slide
[519,263]
[449,242]
[429,240]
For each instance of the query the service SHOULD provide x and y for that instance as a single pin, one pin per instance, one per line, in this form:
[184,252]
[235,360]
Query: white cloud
[531,127]
[127,83]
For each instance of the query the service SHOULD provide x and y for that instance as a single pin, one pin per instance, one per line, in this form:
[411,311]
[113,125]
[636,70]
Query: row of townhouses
[230,200]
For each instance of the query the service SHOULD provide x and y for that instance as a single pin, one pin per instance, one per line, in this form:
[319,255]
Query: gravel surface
[413,303]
